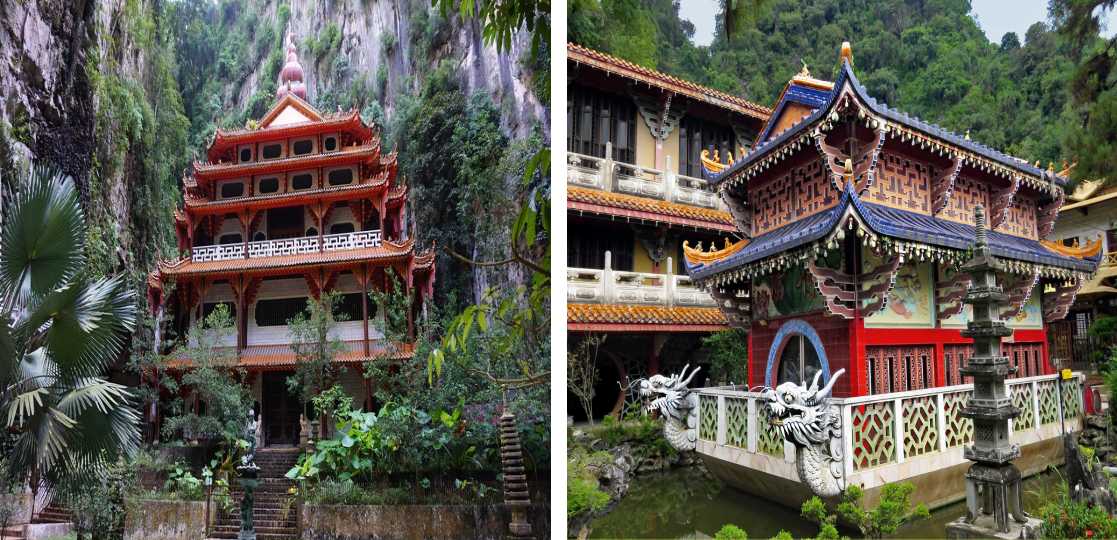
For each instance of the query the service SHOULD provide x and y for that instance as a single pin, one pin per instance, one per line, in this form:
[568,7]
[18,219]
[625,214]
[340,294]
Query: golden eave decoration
[1091,249]
[695,255]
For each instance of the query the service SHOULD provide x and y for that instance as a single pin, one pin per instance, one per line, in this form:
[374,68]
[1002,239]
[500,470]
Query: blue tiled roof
[805,95]
[846,76]
[894,223]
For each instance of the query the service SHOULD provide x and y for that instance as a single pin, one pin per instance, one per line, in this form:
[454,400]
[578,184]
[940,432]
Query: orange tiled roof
[629,317]
[281,199]
[263,357]
[624,68]
[232,170]
[604,202]
[387,251]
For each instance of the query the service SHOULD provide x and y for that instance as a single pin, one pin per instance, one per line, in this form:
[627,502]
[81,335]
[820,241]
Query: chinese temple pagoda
[854,222]
[301,203]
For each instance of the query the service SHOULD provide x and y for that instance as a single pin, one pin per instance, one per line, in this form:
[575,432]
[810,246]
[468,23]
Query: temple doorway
[281,410]
[798,361]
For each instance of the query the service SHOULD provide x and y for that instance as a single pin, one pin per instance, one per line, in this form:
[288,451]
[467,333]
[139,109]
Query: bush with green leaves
[893,511]
[583,495]
[1065,518]
[728,355]
[731,532]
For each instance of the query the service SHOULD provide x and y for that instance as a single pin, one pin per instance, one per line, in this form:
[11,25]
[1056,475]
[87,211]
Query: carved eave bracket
[1002,201]
[859,168]
[848,294]
[661,116]
[1018,293]
[943,187]
[1049,212]
[949,294]
[736,307]
[741,212]
[1056,304]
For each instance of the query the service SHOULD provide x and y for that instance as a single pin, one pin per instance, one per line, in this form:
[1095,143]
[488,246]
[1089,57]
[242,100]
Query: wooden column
[245,220]
[364,303]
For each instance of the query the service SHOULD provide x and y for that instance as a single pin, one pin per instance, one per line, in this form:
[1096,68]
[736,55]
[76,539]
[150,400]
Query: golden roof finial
[804,72]
[1050,166]
[967,134]
[847,52]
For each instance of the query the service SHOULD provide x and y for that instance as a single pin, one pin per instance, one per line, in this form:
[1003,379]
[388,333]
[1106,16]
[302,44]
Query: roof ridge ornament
[291,76]
[847,53]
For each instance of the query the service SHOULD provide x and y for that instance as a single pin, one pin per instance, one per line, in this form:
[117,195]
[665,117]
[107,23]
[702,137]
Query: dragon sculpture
[677,404]
[804,417]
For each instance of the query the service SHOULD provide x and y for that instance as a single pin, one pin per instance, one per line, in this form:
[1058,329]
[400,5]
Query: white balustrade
[607,175]
[608,286]
[287,246]
[921,429]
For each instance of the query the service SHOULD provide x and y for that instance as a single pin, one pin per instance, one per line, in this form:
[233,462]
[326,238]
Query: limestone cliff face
[80,86]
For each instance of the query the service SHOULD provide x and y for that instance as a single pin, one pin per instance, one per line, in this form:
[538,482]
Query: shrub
[1064,518]
[583,495]
[730,532]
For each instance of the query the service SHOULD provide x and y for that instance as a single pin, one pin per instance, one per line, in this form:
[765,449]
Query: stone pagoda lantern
[993,502]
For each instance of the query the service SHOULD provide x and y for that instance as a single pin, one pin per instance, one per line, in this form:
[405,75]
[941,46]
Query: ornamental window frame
[220,189]
[313,146]
[260,150]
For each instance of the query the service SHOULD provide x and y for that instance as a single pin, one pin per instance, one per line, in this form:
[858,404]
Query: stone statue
[677,404]
[250,429]
[248,478]
[805,418]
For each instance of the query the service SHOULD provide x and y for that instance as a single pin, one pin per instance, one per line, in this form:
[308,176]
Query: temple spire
[291,76]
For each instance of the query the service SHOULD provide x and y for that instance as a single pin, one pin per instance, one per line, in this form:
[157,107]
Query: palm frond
[41,242]
[87,325]
[25,405]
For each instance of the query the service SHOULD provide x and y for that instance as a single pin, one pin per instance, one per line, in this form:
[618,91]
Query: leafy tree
[581,372]
[315,349]
[728,354]
[213,380]
[61,331]
[731,532]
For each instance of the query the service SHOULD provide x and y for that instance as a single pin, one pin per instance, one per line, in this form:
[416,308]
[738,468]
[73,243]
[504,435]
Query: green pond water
[684,503]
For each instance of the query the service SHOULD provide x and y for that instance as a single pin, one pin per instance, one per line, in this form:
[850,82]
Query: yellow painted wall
[645,144]
[641,262]
[671,148]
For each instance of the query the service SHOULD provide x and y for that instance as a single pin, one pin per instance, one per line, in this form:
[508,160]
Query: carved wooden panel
[902,183]
[967,194]
[1020,219]
[900,368]
[955,357]
[1027,358]
[798,193]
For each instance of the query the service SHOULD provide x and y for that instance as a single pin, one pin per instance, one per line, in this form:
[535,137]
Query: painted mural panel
[784,293]
[1029,317]
[910,302]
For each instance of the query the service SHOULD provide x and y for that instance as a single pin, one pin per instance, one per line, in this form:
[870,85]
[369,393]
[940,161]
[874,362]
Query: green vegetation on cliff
[929,59]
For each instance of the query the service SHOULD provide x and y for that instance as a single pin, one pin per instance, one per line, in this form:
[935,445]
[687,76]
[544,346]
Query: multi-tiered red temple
[302,203]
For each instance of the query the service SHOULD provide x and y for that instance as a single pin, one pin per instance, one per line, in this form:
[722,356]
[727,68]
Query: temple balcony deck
[287,246]
[608,286]
[913,436]
[605,174]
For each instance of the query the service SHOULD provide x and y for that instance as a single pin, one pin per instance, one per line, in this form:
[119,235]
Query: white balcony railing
[287,246]
[886,437]
[607,175]
[608,286]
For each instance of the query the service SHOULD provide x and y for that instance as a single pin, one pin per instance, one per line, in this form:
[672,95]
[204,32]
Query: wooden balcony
[287,246]
[607,175]
[608,286]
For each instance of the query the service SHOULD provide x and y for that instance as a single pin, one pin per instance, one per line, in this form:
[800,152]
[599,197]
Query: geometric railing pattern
[958,429]
[708,418]
[736,422]
[873,440]
[768,439]
[1048,403]
[1072,398]
[921,434]
[1022,399]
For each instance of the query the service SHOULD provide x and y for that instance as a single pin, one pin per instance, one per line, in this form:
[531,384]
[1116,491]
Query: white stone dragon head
[803,415]
[672,401]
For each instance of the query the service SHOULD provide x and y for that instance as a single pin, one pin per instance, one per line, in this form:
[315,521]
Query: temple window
[271,151]
[277,311]
[342,228]
[231,238]
[696,135]
[268,185]
[329,143]
[349,306]
[245,154]
[232,189]
[340,177]
[798,361]
[302,181]
[286,222]
[596,118]
[302,147]
[586,247]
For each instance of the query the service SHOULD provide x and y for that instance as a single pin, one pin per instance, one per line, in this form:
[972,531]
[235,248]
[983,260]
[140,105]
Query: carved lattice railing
[287,246]
[608,286]
[617,176]
[890,429]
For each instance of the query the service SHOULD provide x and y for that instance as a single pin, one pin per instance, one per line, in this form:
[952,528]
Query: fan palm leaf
[58,334]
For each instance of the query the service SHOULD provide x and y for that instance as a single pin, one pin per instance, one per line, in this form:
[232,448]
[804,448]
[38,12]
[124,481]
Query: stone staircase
[271,500]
